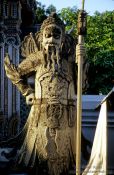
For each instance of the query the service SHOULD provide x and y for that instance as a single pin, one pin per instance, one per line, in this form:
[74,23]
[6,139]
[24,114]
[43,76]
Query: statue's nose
[52,39]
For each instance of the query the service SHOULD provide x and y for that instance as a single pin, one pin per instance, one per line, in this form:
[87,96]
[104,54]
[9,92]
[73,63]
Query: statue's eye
[47,35]
[56,36]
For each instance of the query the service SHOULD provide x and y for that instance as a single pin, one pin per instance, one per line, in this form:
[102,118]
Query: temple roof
[110,100]
[29,3]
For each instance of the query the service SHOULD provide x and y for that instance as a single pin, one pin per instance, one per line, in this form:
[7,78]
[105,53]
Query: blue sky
[90,5]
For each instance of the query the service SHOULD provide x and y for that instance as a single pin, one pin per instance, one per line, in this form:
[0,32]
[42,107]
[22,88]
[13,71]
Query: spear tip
[83,1]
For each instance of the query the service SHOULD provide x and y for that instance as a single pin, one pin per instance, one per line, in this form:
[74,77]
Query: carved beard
[52,57]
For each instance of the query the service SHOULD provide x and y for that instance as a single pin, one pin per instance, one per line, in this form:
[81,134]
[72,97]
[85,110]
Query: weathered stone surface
[49,132]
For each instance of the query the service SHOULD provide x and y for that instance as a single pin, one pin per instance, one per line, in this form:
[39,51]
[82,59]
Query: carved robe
[49,132]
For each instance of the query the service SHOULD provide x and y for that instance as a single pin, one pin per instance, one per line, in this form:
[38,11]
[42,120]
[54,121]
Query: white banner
[98,160]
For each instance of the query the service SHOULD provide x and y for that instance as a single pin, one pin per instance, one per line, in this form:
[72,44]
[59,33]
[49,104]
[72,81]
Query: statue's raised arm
[14,75]
[18,74]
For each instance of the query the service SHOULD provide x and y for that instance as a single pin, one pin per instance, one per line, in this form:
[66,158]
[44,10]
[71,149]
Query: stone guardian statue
[49,132]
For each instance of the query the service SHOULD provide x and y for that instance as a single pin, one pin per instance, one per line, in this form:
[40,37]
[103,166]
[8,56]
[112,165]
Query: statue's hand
[11,70]
[30,99]
[80,50]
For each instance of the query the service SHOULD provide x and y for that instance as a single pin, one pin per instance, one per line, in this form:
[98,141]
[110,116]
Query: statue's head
[52,32]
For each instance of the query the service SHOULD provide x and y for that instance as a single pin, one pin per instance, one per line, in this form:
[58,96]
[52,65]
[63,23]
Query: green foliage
[50,9]
[69,16]
[100,47]
[100,52]
[40,13]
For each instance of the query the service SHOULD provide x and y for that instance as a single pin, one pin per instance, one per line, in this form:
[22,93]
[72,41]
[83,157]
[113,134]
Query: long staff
[80,53]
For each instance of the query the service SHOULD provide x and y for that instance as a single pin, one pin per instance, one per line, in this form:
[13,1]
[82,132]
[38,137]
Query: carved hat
[53,19]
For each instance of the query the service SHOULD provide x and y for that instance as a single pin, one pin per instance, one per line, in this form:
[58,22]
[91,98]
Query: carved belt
[48,101]
[55,111]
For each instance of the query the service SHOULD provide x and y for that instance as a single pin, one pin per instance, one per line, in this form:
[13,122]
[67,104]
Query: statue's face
[52,37]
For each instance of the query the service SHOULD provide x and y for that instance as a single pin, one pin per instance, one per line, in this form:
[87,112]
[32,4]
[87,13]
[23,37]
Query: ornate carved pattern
[13,40]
